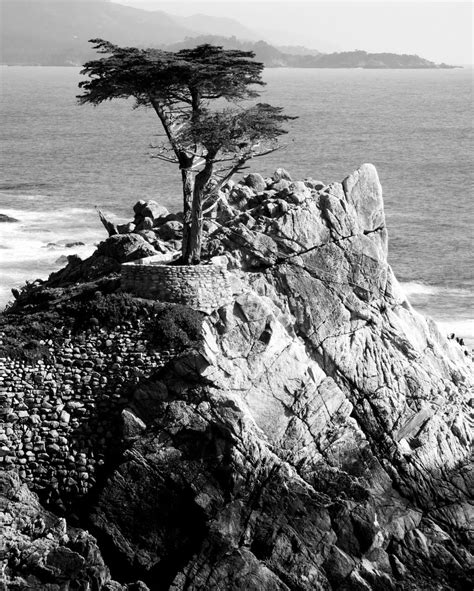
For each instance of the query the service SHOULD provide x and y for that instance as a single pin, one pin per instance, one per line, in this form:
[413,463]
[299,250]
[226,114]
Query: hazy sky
[440,31]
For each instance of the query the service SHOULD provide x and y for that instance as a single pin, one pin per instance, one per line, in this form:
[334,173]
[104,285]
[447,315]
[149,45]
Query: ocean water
[59,160]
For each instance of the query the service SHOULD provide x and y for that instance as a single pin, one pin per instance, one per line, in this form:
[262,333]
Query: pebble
[64,417]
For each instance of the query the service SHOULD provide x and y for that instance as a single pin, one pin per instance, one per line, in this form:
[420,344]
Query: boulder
[271,209]
[153,210]
[124,248]
[281,186]
[146,223]
[172,230]
[363,191]
[132,426]
[126,228]
[149,209]
[281,174]
[298,192]
[139,206]
[240,196]
[312,184]
[170,217]
[229,185]
[282,205]
[256,182]
[149,236]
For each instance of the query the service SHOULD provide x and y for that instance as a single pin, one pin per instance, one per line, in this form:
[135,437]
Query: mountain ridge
[273,56]
[52,33]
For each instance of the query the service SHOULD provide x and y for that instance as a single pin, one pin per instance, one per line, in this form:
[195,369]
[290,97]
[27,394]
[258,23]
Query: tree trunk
[187,175]
[192,256]
[187,178]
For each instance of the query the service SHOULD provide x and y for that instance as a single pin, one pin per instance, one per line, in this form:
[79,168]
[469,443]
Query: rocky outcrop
[40,551]
[319,440]
[106,260]
[318,437]
[7,219]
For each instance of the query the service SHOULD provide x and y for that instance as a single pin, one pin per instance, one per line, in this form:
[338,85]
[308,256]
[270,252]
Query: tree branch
[165,158]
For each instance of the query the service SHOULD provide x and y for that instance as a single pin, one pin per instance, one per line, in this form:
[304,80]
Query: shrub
[166,326]
[106,310]
[30,351]
[23,336]
[175,327]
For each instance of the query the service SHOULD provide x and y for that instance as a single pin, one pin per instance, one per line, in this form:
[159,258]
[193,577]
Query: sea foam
[32,247]
[413,288]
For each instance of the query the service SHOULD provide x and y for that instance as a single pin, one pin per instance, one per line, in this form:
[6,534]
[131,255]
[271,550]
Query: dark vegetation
[27,335]
[178,326]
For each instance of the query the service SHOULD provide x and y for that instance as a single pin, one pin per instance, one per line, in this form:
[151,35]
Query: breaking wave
[413,288]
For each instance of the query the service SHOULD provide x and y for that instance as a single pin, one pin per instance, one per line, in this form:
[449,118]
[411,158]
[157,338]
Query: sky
[435,30]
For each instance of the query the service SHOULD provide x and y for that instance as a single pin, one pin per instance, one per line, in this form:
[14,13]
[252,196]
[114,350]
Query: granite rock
[319,437]
[125,248]
[256,182]
[149,209]
[40,551]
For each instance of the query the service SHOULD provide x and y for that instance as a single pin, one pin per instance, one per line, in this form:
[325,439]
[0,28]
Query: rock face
[318,437]
[41,550]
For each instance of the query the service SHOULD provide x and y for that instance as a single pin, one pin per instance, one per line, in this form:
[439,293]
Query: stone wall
[60,419]
[202,287]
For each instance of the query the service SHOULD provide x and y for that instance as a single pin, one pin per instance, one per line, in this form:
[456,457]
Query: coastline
[422,160]
[290,363]
[38,257]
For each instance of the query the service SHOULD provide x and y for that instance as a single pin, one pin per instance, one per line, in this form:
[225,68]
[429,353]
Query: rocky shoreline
[311,434]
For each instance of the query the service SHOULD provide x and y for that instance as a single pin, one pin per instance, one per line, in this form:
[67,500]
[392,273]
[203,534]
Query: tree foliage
[188,90]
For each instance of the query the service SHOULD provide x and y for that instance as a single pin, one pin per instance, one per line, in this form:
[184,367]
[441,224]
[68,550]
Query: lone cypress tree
[182,87]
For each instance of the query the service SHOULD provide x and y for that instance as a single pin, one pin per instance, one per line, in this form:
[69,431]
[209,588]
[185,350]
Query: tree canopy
[187,89]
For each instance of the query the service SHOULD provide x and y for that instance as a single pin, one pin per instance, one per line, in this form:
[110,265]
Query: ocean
[60,160]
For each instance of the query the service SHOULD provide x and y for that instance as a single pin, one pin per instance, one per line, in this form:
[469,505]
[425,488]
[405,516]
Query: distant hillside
[274,57]
[264,52]
[297,50]
[48,32]
[55,33]
[362,59]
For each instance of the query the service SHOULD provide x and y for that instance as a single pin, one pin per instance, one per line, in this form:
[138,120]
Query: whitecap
[24,252]
[462,328]
[413,288]
[33,227]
